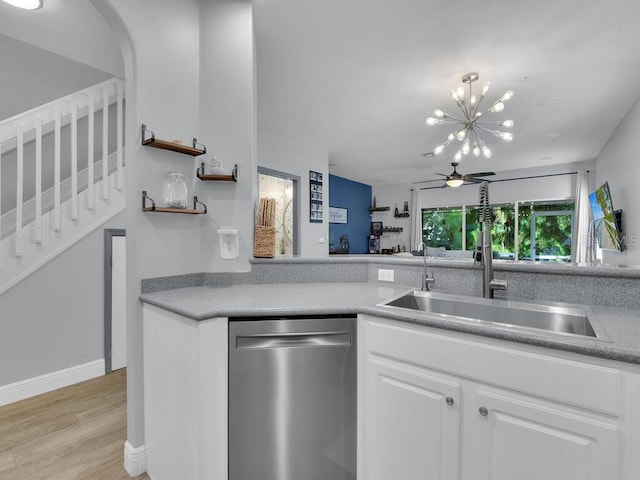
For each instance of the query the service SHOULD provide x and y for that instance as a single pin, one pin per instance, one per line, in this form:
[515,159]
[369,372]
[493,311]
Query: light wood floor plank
[74,433]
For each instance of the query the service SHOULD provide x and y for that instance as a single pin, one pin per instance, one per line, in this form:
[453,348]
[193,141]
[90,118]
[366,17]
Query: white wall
[285,154]
[189,71]
[545,188]
[619,165]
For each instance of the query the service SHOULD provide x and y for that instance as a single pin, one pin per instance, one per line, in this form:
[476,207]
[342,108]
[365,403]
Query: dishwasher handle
[293,340]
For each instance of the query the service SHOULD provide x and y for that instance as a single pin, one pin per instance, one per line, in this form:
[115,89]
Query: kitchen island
[404,358]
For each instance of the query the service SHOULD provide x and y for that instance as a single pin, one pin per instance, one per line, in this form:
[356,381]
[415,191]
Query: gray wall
[31,76]
[54,318]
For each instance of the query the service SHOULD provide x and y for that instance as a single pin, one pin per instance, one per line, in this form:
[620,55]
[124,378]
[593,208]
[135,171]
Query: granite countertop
[621,326]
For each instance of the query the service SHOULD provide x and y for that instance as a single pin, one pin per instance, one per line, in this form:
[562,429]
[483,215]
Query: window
[543,231]
[442,227]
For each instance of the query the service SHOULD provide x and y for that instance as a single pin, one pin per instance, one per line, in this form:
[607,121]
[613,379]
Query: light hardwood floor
[77,432]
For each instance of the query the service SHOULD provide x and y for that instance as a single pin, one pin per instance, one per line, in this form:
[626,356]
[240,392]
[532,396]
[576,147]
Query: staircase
[61,176]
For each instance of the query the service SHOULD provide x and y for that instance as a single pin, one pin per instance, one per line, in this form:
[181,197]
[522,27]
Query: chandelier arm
[460,120]
[485,129]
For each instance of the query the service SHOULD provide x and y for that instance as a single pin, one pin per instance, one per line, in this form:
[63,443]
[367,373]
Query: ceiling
[71,28]
[358,78]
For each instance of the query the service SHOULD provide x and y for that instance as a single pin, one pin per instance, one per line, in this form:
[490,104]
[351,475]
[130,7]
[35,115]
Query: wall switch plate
[385,275]
[229,242]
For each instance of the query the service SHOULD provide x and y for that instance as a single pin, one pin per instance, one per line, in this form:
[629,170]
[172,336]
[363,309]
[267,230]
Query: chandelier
[467,129]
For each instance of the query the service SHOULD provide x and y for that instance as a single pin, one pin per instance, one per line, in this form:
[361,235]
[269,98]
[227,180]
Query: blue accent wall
[356,198]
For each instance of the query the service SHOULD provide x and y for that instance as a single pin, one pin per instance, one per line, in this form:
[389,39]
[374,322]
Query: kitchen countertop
[622,326]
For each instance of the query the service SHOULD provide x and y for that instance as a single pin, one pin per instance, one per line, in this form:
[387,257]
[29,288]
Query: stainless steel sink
[501,313]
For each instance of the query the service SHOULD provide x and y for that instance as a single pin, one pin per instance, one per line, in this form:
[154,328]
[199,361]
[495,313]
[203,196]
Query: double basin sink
[502,313]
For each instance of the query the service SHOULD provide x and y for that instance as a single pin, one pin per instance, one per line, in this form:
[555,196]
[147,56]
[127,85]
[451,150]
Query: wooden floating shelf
[391,230]
[188,211]
[174,210]
[402,215]
[379,209]
[233,177]
[152,141]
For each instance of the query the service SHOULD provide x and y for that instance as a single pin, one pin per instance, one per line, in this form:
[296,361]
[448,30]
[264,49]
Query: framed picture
[315,197]
[376,228]
[338,215]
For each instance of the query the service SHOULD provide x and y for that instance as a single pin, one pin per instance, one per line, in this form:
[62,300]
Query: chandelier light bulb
[438,150]
[473,99]
[485,89]
[497,107]
[486,151]
[506,136]
[466,148]
[461,135]
[458,156]
[507,96]
[476,151]
[450,137]
[432,121]
[506,124]
[438,113]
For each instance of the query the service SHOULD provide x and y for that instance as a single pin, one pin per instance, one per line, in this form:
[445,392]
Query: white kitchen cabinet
[413,416]
[518,412]
[528,439]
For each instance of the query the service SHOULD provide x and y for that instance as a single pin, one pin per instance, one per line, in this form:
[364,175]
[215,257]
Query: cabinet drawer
[576,383]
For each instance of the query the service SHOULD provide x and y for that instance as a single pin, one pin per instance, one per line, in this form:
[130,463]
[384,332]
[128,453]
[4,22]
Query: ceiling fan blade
[473,180]
[442,174]
[480,174]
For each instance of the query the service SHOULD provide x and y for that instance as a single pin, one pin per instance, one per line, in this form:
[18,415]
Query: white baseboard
[135,459]
[50,381]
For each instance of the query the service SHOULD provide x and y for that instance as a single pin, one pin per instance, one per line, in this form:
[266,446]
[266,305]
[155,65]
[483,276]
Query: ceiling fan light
[26,4]
[454,182]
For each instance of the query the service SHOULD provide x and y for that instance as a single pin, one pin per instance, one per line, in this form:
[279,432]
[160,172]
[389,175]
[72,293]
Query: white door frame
[109,233]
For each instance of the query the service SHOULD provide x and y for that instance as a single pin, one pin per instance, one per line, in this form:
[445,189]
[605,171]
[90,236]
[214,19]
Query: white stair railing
[70,203]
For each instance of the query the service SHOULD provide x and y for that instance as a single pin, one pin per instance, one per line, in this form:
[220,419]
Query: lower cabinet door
[411,423]
[526,439]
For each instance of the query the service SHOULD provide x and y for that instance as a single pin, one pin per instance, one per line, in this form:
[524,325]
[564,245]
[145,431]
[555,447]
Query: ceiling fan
[455,179]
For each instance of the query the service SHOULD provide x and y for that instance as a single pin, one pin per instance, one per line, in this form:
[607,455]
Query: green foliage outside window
[552,226]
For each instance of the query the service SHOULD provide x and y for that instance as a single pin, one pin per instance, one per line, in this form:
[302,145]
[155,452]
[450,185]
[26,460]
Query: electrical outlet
[385,275]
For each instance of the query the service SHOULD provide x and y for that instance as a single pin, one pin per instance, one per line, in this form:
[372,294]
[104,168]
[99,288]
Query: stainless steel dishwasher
[292,398]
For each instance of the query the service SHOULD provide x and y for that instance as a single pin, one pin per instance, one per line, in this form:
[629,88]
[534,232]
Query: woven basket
[264,244]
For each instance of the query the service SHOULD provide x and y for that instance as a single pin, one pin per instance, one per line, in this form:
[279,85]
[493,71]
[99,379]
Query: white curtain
[581,220]
[416,220]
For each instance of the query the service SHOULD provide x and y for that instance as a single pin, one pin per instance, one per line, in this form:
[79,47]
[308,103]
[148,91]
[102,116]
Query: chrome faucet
[426,279]
[484,253]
